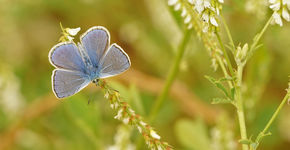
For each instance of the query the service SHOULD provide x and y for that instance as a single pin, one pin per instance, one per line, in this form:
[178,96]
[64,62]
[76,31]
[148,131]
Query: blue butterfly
[91,59]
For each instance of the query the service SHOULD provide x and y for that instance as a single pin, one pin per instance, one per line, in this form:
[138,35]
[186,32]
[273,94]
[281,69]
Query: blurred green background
[31,118]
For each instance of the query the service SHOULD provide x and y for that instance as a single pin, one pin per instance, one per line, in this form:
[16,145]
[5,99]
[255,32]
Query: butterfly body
[79,64]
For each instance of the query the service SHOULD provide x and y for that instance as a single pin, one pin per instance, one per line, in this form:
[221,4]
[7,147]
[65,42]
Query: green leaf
[192,134]
[221,101]
[218,84]
[245,141]
[226,79]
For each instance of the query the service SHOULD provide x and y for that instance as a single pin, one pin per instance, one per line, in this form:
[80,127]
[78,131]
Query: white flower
[70,38]
[154,134]
[275,6]
[187,19]
[139,129]
[191,1]
[177,7]
[205,28]
[172,2]
[184,12]
[159,147]
[106,95]
[143,123]
[199,6]
[272,1]
[205,17]
[189,26]
[221,1]
[285,14]
[119,114]
[213,21]
[206,4]
[277,18]
[73,31]
[126,120]
[280,10]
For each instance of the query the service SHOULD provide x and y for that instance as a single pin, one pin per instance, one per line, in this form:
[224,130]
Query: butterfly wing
[66,56]
[114,62]
[95,41]
[66,83]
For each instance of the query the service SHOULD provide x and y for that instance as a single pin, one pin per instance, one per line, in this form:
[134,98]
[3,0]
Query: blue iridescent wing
[66,56]
[95,41]
[66,83]
[114,62]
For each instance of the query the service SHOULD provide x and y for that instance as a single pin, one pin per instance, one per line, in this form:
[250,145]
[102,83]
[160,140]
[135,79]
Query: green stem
[219,59]
[171,76]
[228,32]
[258,37]
[264,132]
[240,108]
[225,54]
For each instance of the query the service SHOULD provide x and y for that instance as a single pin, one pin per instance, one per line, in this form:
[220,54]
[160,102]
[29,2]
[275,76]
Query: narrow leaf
[221,101]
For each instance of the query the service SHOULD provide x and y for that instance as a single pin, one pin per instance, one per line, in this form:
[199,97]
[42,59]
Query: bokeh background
[31,118]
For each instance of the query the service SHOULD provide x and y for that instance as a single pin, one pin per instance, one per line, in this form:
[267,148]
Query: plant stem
[171,76]
[258,37]
[228,32]
[219,59]
[225,54]
[274,116]
[240,108]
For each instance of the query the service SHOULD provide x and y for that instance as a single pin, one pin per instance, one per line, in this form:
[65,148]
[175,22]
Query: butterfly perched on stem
[79,64]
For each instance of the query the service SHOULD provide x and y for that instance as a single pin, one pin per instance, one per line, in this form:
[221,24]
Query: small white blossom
[205,17]
[143,123]
[191,1]
[73,31]
[205,28]
[172,2]
[177,7]
[119,114]
[184,12]
[106,95]
[207,4]
[154,134]
[285,14]
[277,19]
[189,26]
[199,6]
[159,147]
[131,111]
[280,8]
[213,21]
[187,19]
[70,38]
[126,120]
[275,6]
[139,129]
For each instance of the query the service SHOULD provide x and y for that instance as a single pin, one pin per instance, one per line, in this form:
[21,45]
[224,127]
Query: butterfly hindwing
[114,62]
[66,83]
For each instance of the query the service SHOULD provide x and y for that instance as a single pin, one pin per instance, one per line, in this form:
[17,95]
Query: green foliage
[192,134]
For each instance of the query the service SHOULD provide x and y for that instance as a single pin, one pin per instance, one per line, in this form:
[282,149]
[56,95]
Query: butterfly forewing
[114,62]
[66,56]
[66,83]
[95,41]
